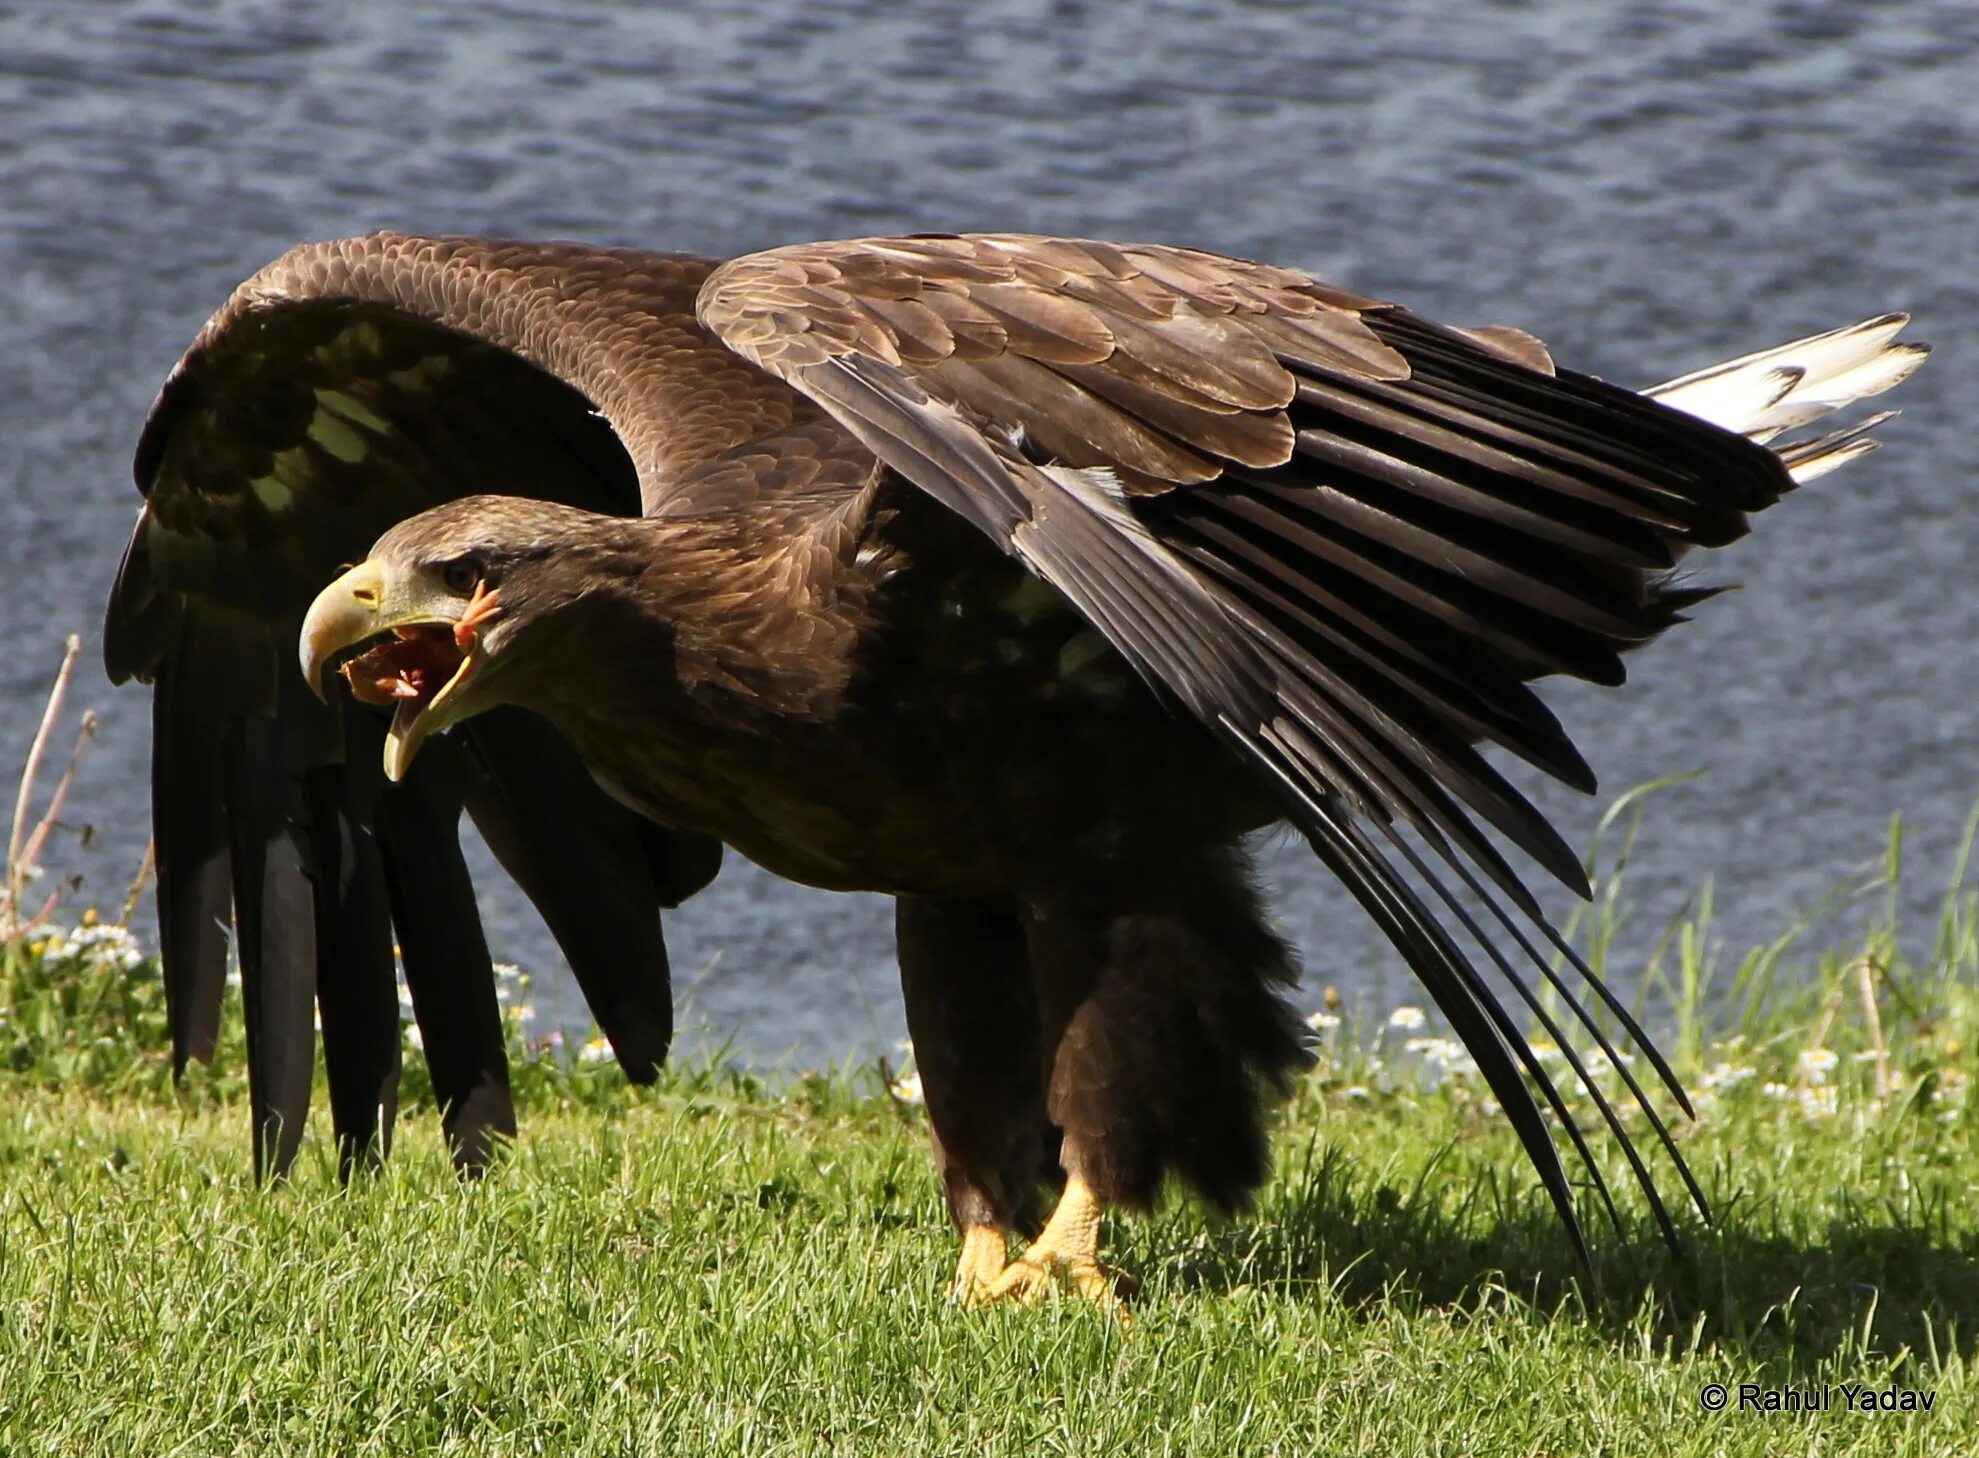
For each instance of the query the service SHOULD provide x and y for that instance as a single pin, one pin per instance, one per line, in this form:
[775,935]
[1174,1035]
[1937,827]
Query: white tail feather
[1760,395]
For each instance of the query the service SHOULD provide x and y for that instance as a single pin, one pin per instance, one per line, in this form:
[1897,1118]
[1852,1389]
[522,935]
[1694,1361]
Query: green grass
[714,1269]
[717,1266]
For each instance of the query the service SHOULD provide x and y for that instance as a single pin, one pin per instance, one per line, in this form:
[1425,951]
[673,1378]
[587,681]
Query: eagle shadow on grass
[1780,1301]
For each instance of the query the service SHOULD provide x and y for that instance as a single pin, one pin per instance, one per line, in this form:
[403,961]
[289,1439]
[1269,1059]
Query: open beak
[430,647]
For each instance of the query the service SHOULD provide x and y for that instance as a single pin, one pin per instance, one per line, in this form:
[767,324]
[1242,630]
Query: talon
[1027,1282]
[1067,1251]
[981,1264]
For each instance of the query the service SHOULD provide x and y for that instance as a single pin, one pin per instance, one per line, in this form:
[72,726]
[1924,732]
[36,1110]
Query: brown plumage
[302,422]
[1019,578]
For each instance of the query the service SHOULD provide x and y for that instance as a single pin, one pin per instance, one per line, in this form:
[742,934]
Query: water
[1647,189]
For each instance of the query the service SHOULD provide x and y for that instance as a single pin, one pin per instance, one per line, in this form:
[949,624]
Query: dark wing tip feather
[448,969]
[276,941]
[357,986]
[683,862]
[1584,1017]
[597,873]
[1470,1007]
[194,872]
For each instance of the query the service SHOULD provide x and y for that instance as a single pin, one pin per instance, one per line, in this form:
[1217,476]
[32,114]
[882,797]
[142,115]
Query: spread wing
[344,387]
[1344,537]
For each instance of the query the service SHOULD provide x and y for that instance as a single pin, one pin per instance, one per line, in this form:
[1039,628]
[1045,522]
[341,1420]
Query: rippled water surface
[1648,187]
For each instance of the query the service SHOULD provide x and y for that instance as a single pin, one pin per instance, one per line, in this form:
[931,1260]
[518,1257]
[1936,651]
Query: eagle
[1018,578]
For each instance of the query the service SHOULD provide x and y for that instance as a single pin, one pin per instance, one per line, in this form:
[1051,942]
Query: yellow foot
[983,1257]
[1066,1250]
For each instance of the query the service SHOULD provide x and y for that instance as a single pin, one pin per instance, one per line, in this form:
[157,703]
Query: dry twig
[18,839]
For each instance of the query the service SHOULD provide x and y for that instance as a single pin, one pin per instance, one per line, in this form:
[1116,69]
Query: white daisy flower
[1818,1103]
[1725,1075]
[1446,1053]
[1816,1063]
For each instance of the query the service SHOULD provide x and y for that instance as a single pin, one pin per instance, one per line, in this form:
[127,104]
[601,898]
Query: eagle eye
[461,575]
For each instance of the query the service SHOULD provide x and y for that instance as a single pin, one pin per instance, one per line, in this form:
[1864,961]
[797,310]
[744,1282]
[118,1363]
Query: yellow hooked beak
[431,650]
[344,613]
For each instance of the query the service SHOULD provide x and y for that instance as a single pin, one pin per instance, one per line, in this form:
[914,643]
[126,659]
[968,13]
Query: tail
[1761,395]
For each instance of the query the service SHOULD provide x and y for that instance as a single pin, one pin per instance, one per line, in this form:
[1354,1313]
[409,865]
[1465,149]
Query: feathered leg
[974,1022]
[1159,985]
